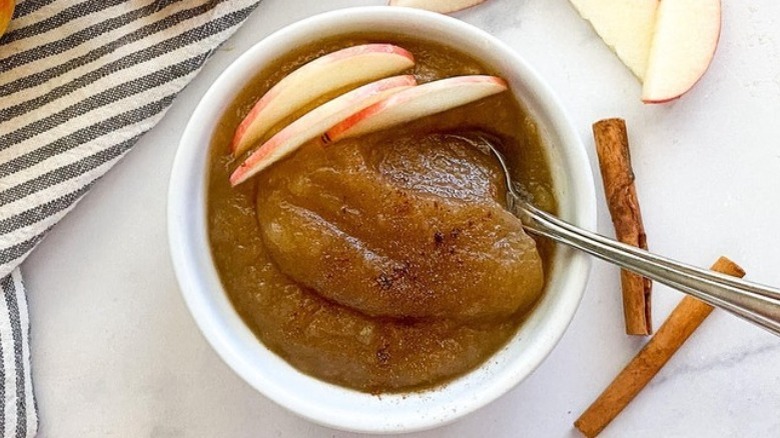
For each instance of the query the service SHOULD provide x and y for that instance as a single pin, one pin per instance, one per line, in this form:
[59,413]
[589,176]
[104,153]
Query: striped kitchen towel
[80,82]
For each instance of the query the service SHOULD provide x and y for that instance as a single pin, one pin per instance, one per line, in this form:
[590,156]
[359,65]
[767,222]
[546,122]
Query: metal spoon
[753,302]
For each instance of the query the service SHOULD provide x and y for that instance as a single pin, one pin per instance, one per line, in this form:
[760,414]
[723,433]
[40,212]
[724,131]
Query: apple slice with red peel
[625,26]
[442,6]
[686,36]
[351,66]
[316,122]
[417,102]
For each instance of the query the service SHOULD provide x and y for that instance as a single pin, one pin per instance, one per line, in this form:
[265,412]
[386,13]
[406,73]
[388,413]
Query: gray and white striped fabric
[80,82]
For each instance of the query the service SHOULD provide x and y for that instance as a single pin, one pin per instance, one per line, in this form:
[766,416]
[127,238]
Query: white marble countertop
[116,353]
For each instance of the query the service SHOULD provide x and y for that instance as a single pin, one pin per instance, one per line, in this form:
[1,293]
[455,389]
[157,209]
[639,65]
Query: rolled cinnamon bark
[682,322]
[615,162]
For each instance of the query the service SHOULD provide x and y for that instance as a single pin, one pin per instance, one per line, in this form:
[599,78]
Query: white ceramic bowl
[335,406]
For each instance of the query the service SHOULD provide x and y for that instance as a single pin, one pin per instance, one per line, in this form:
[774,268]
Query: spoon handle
[756,303]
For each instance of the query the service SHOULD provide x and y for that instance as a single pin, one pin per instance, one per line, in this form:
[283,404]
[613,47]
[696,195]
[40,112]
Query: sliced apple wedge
[442,6]
[351,66]
[686,36]
[625,26]
[414,103]
[316,122]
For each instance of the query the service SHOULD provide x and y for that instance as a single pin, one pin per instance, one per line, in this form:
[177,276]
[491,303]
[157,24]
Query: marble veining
[726,360]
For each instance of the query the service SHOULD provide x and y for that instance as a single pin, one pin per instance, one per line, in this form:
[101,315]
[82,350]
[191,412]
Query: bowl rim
[199,282]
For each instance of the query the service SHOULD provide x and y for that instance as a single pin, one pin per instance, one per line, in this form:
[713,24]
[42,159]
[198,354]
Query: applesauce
[384,263]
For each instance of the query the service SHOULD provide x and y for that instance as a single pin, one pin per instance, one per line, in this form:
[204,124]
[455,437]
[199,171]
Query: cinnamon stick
[682,322]
[615,162]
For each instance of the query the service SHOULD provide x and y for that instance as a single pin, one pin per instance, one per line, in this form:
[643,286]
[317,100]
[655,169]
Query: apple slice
[6,12]
[316,122]
[685,39]
[351,66]
[442,6]
[414,103]
[625,26]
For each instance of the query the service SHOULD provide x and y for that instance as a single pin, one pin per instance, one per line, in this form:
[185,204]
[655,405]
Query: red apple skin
[6,13]
[268,153]
[244,127]
[338,132]
[704,72]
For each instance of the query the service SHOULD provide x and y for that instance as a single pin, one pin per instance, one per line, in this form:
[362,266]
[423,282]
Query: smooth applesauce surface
[385,263]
